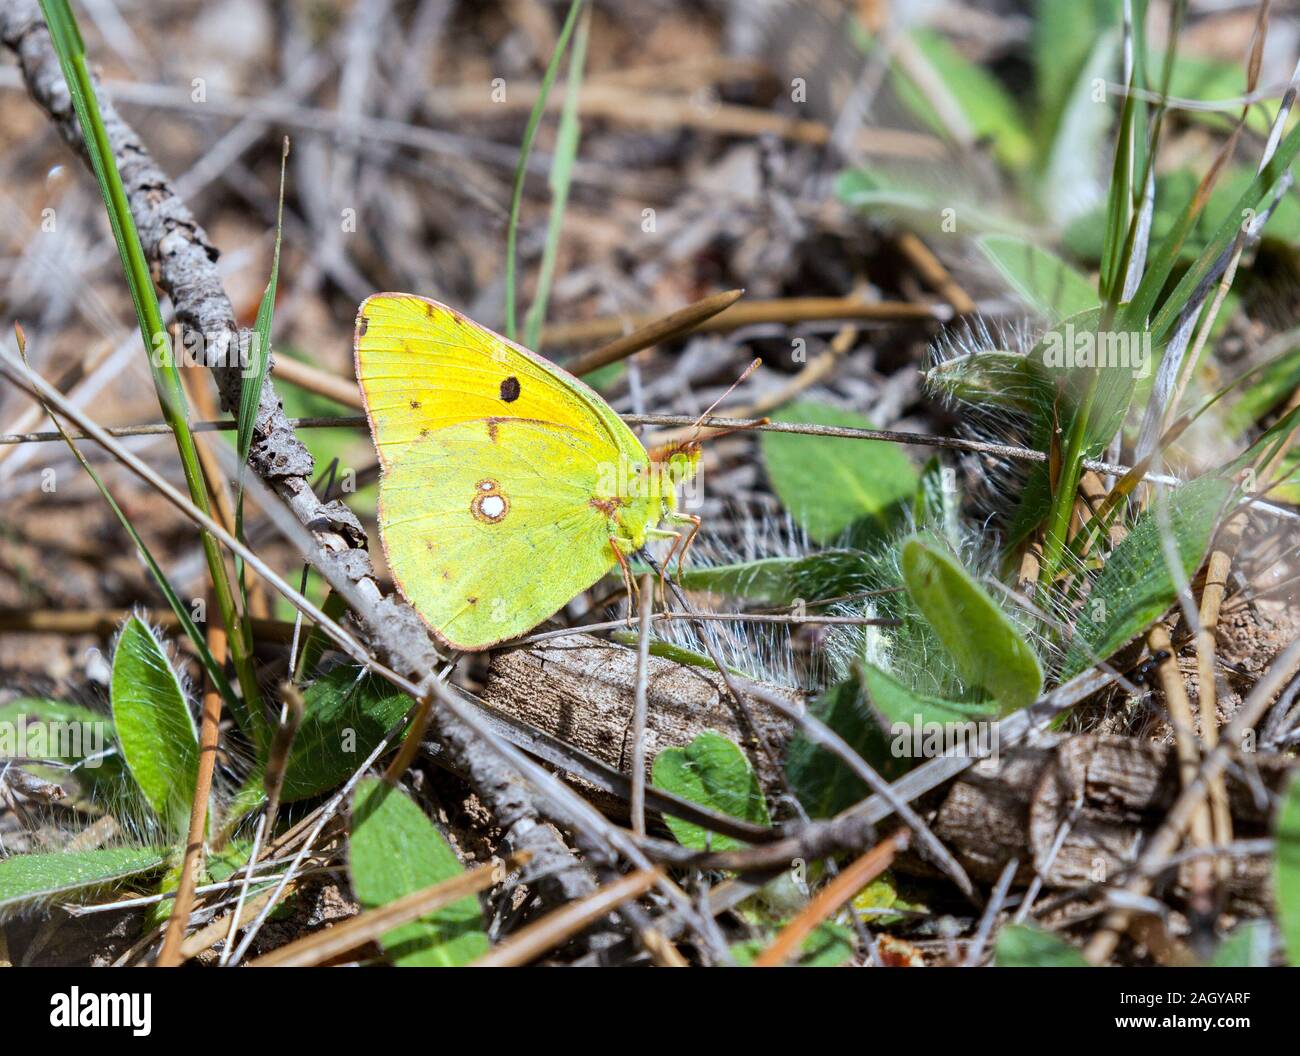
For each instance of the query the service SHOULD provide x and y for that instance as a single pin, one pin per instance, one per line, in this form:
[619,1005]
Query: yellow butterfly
[508,486]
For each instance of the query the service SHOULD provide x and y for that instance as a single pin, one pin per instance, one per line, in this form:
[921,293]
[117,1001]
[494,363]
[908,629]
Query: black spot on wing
[363,326]
[510,389]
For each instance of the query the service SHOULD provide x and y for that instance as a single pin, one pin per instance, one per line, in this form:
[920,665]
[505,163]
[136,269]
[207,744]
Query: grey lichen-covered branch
[183,260]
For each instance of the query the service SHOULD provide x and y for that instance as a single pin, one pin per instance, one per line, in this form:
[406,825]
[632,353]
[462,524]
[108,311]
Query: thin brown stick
[1180,717]
[935,275]
[533,940]
[646,608]
[209,735]
[828,900]
[106,622]
[784,310]
[659,110]
[667,328]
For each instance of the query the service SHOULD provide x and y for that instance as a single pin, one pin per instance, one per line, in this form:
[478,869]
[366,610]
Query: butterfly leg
[694,522]
[676,537]
[617,544]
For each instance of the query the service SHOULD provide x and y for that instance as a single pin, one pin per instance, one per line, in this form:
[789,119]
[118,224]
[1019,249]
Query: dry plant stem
[210,934]
[366,927]
[184,261]
[200,397]
[639,704]
[1180,717]
[552,930]
[936,276]
[66,383]
[786,310]
[668,328]
[225,425]
[996,901]
[659,110]
[852,879]
[209,735]
[1166,839]
[1217,571]
[106,622]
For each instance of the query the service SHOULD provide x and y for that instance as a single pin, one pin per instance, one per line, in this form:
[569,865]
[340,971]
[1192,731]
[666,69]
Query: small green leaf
[27,879]
[1287,874]
[713,772]
[828,483]
[1134,587]
[346,715]
[988,648]
[154,724]
[827,946]
[784,580]
[1020,946]
[895,703]
[824,784]
[1043,280]
[1069,184]
[988,108]
[1064,32]
[766,579]
[395,850]
[1247,947]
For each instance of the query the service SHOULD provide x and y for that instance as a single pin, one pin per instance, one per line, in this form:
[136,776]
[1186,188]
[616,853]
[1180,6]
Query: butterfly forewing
[424,366]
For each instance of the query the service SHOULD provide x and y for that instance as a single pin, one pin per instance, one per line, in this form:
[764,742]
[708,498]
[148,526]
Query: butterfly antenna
[732,388]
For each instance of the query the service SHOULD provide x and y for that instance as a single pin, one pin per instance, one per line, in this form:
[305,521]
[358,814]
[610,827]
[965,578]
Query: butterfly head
[677,463]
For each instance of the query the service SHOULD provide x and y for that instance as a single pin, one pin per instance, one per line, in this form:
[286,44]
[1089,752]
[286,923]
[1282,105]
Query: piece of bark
[1114,792]
[580,689]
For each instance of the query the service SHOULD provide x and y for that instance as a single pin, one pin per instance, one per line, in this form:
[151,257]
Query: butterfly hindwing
[490,527]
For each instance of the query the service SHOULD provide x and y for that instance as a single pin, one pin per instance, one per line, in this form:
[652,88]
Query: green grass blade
[71,51]
[566,150]
[521,170]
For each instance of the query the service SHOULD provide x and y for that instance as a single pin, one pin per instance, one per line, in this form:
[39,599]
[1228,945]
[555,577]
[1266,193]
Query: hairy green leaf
[823,783]
[30,879]
[1043,280]
[1135,587]
[986,645]
[154,724]
[347,713]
